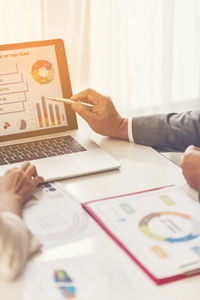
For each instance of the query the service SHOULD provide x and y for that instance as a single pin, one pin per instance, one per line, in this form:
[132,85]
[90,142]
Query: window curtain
[145,54]
[70,20]
[20,21]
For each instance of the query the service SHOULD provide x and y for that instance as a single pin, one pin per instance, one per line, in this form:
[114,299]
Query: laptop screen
[28,75]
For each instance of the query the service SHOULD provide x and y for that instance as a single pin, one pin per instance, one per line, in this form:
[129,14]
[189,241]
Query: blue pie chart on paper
[172,224]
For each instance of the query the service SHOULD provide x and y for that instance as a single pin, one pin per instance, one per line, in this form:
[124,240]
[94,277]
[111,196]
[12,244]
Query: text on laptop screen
[27,77]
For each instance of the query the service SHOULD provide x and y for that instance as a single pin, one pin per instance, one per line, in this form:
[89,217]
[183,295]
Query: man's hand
[16,186]
[103,118]
[190,165]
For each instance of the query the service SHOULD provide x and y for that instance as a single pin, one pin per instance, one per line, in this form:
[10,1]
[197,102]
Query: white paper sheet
[56,217]
[91,277]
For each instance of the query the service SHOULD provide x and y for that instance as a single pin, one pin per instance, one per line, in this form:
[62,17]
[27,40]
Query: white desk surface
[141,168]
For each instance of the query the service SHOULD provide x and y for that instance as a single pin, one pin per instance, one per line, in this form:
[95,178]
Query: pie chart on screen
[42,71]
[21,124]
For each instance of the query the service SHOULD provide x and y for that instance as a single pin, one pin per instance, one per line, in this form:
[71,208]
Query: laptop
[35,129]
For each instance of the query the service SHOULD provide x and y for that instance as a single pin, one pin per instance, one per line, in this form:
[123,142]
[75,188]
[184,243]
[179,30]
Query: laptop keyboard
[39,149]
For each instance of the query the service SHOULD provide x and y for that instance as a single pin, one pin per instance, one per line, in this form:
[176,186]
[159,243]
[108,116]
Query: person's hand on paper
[190,165]
[103,118]
[16,186]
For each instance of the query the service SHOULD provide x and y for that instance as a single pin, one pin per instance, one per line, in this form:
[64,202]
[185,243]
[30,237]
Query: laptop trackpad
[56,167]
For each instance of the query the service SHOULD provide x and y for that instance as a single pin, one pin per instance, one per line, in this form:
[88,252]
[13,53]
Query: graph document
[27,77]
[160,228]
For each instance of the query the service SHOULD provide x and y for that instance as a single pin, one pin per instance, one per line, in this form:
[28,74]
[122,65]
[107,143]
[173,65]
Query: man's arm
[103,118]
[174,131]
[163,131]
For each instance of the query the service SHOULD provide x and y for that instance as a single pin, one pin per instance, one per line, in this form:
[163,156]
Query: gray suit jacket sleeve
[174,131]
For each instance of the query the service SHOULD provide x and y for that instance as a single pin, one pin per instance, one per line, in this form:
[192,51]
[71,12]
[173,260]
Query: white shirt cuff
[130,130]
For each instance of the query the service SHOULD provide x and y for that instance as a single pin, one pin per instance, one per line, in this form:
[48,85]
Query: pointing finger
[88,95]
[83,111]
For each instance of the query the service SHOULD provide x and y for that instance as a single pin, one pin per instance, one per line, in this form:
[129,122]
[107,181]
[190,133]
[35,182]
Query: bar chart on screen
[48,115]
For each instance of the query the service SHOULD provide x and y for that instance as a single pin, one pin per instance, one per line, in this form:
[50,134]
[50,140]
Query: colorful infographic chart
[157,227]
[145,222]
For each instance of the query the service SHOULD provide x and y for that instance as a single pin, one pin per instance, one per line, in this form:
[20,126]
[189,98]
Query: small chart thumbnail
[65,284]
[21,124]
[42,71]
